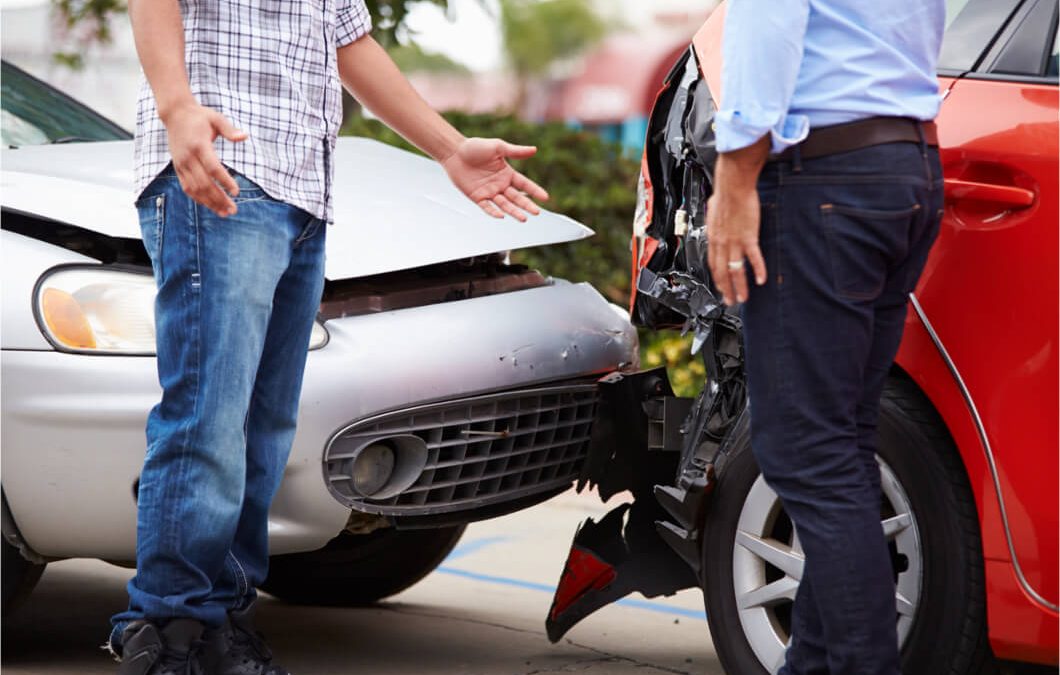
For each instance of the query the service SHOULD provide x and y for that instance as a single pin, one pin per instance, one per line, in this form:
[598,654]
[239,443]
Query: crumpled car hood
[393,210]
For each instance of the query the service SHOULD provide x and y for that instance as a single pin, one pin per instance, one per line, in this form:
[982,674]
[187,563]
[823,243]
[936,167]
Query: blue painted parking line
[551,590]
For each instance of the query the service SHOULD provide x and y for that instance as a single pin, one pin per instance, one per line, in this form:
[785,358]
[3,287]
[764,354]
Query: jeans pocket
[861,245]
[152,210]
[249,194]
[249,191]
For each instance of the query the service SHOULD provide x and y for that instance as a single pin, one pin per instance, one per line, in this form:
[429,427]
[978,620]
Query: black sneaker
[173,649]
[244,649]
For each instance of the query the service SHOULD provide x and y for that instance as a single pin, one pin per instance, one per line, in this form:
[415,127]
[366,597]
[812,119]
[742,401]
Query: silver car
[444,384]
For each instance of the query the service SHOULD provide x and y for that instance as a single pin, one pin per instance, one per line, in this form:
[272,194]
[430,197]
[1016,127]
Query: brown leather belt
[860,134]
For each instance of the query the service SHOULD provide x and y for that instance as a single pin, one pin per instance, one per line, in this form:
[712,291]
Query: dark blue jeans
[236,301]
[845,238]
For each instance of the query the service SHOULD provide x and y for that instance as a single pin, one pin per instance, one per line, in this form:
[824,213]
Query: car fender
[1021,627]
[24,260]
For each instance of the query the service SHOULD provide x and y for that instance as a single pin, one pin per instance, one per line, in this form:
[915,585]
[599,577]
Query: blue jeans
[236,302]
[845,238]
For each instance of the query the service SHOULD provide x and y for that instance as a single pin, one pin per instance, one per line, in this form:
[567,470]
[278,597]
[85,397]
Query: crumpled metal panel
[73,426]
[393,210]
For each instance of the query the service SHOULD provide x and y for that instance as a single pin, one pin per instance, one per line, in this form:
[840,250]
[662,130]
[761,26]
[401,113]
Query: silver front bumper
[482,452]
[72,426]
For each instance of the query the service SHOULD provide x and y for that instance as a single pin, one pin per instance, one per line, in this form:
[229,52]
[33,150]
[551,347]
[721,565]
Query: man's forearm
[159,34]
[370,75]
[737,170]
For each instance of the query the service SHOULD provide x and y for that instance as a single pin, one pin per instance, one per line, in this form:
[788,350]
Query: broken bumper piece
[611,559]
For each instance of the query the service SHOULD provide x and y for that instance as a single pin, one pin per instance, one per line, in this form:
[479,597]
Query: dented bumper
[73,425]
[661,449]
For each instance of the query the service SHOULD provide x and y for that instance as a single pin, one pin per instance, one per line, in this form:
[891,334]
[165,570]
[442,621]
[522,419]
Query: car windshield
[35,114]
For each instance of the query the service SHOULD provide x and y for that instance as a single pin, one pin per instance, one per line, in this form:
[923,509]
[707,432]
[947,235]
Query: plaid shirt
[270,67]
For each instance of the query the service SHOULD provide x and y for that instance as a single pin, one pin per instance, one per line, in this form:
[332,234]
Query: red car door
[990,292]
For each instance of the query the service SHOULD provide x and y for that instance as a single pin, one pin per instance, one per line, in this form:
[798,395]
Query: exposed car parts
[645,440]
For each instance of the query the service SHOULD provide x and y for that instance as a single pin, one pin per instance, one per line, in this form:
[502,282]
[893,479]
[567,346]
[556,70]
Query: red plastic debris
[583,572]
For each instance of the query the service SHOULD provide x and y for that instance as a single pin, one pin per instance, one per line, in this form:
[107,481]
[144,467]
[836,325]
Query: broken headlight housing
[96,310]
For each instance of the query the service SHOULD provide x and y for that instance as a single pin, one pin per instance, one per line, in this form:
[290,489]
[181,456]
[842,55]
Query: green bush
[593,182]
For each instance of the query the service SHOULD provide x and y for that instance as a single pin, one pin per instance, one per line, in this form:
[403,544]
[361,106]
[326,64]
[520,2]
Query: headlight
[105,311]
[98,311]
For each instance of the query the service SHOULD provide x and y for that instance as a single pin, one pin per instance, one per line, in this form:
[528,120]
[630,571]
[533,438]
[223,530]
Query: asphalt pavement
[481,613]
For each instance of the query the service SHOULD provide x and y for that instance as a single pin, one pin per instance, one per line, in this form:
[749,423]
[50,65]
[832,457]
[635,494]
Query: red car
[968,430]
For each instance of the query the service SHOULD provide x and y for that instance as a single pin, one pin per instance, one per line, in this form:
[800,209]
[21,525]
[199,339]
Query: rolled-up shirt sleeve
[352,22]
[761,54]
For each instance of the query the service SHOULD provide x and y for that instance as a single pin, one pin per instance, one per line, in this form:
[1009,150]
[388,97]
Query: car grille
[481,451]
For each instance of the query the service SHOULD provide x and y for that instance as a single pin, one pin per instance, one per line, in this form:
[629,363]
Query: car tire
[944,630]
[359,569]
[19,576]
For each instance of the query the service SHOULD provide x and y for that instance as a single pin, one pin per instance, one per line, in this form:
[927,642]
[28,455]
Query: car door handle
[1009,195]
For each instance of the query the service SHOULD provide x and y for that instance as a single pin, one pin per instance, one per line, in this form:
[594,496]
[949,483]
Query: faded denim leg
[273,414]
[844,238]
[217,279]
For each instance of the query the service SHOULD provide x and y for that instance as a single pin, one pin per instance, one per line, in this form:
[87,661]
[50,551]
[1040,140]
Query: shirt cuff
[352,23]
[734,130]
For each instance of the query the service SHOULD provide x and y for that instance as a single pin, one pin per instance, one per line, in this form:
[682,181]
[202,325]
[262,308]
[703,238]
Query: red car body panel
[990,292]
[991,295]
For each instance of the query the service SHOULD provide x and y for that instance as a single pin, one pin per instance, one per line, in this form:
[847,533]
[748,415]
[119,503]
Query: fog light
[384,466]
[372,468]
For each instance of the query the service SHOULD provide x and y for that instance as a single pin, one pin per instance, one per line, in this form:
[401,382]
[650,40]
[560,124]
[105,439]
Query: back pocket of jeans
[862,243]
[152,211]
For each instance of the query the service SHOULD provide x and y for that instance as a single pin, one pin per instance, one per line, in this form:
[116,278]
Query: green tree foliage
[388,17]
[593,182]
[537,33]
[91,20]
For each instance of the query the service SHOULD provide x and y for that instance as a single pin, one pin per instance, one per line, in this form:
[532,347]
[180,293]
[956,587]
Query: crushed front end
[646,441]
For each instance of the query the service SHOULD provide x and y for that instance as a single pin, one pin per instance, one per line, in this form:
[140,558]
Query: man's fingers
[202,188]
[720,271]
[535,191]
[210,194]
[758,263]
[225,128]
[217,171]
[517,151]
[490,208]
[522,201]
[717,271]
[508,207]
[192,178]
[738,275]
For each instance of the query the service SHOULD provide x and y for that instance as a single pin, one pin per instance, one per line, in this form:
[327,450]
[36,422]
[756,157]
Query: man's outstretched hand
[479,168]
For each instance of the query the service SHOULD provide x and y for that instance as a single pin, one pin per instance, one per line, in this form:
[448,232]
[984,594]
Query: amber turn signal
[65,319]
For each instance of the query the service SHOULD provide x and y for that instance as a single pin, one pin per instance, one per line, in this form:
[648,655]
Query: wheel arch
[13,536]
[919,363]
[1010,600]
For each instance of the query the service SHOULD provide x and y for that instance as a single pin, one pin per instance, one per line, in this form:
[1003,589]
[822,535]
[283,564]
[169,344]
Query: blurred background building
[593,64]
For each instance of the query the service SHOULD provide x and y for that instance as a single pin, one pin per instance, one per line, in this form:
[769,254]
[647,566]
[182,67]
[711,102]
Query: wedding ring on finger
[735,265]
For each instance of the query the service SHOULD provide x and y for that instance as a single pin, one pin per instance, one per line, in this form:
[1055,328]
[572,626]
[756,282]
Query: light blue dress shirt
[792,65]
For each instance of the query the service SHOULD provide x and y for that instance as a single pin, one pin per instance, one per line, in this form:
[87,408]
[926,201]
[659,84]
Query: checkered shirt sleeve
[270,67]
[352,22]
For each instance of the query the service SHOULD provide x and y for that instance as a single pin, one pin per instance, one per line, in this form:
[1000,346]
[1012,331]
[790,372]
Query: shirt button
[158,201]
